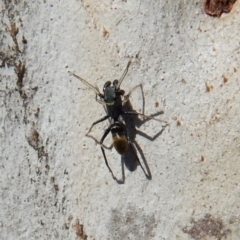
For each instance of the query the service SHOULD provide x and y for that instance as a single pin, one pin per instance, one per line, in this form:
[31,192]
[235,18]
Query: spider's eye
[115,82]
[106,85]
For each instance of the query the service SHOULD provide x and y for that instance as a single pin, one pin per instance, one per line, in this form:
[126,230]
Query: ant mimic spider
[113,98]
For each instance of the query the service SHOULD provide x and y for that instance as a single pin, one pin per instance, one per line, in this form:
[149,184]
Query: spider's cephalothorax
[112,97]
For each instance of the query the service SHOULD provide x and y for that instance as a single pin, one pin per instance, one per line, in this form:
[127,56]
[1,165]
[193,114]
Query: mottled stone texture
[54,183]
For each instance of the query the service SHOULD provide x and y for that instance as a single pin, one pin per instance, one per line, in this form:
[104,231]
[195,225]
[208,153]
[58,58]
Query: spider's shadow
[130,158]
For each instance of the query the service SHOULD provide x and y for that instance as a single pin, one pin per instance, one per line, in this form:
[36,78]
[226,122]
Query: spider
[113,99]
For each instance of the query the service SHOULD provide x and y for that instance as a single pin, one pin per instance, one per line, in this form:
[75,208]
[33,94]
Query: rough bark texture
[54,182]
[215,8]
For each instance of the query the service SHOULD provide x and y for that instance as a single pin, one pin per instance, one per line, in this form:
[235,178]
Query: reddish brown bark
[216,7]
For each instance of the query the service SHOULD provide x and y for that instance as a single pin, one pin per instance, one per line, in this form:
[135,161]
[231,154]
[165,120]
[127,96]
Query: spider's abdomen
[120,143]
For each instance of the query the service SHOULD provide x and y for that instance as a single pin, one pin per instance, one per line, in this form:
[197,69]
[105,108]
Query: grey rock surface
[54,183]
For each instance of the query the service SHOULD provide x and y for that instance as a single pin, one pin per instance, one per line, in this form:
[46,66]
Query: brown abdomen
[120,143]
